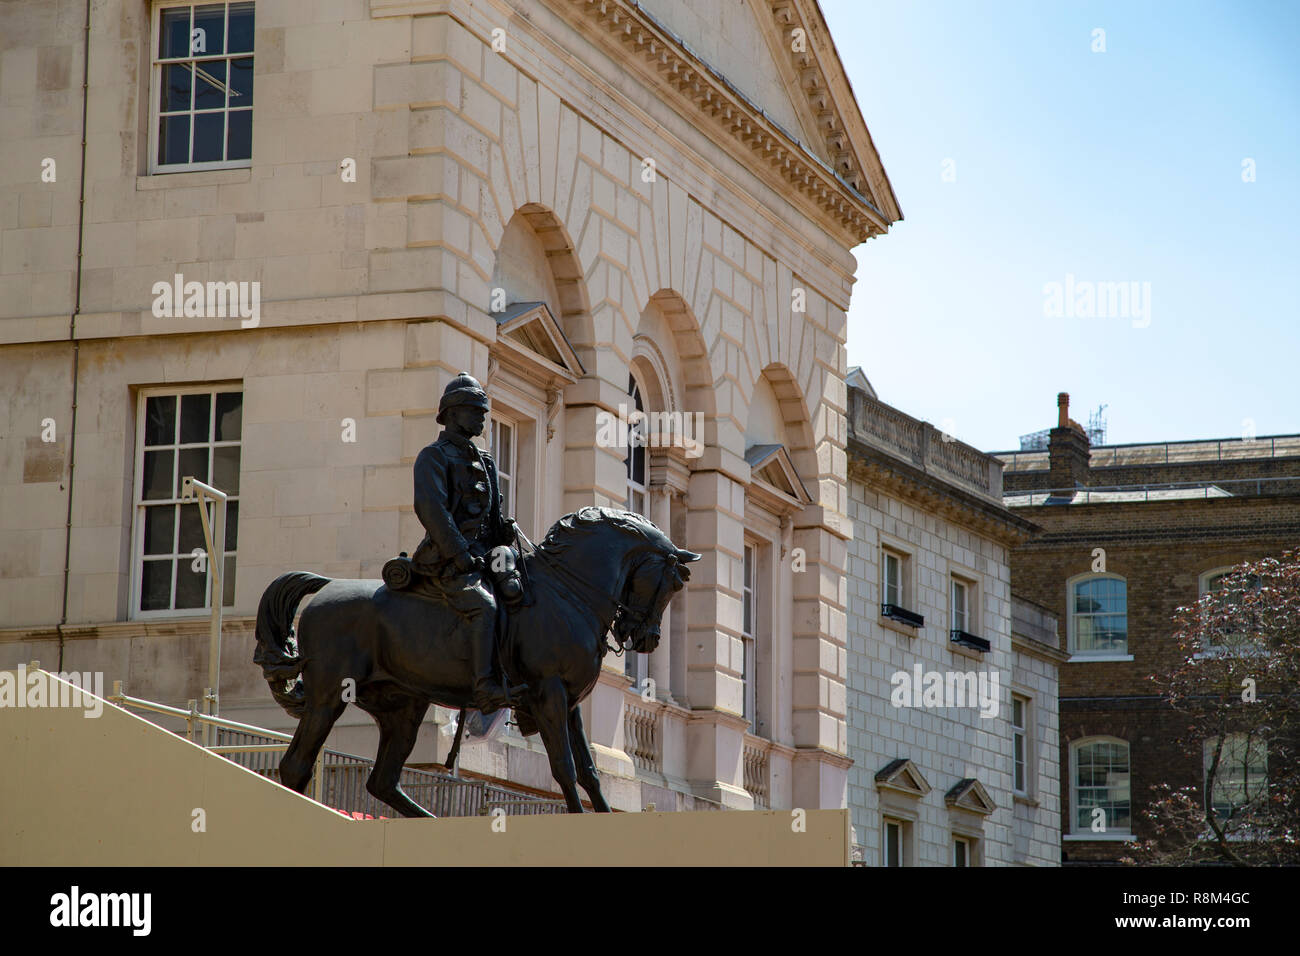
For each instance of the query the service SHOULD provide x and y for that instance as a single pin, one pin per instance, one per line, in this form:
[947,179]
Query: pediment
[785,107]
[969,794]
[902,776]
[529,335]
[770,466]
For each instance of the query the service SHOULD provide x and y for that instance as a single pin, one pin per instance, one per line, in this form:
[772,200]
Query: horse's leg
[552,715]
[587,775]
[398,729]
[300,757]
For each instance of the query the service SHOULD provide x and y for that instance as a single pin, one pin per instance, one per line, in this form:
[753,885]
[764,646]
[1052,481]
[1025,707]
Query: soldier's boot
[489,695]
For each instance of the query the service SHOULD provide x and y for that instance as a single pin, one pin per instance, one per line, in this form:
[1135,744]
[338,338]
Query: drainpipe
[72,330]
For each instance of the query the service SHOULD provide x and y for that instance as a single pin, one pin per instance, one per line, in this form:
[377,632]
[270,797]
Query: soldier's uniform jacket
[457,501]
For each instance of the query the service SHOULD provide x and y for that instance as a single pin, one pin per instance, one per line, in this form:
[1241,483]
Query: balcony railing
[757,773]
[902,615]
[922,445]
[966,639]
[641,736]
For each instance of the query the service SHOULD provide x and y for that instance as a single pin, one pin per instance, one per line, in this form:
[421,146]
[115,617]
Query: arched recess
[537,252]
[685,351]
[794,416]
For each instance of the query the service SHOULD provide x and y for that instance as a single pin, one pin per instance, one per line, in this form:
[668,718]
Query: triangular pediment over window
[529,337]
[771,469]
[902,776]
[969,794]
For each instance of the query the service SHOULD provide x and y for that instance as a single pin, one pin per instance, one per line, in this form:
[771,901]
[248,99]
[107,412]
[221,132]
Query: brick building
[1129,534]
[952,781]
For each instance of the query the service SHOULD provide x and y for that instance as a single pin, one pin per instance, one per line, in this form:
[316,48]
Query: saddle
[400,574]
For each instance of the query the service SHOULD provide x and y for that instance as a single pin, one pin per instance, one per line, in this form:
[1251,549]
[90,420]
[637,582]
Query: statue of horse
[598,569]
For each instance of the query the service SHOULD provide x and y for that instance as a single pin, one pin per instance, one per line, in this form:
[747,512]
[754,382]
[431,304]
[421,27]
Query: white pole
[216,548]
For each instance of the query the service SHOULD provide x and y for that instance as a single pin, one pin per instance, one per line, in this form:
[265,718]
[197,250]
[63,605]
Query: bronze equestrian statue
[427,633]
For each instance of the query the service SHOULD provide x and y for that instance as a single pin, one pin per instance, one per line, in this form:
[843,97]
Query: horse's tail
[279,660]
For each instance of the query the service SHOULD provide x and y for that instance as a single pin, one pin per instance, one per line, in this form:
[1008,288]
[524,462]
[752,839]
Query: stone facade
[561,198]
[1160,517]
[933,504]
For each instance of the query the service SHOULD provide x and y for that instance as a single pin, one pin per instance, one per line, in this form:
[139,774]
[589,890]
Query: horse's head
[654,576]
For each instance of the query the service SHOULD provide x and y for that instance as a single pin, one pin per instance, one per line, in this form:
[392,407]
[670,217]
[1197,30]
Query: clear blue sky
[1117,166]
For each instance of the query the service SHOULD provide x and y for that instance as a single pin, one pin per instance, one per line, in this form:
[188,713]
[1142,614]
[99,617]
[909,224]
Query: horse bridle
[619,611]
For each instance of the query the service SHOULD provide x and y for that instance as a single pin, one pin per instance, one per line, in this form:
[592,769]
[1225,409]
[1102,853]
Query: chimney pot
[1062,409]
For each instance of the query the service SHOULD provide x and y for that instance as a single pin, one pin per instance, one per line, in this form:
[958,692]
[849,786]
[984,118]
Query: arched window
[637,435]
[1226,634]
[1098,615]
[1240,776]
[1099,787]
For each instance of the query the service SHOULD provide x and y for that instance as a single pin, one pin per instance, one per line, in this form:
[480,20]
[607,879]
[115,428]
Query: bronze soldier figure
[457,501]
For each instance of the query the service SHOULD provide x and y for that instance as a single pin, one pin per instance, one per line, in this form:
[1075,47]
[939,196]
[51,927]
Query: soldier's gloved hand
[466,562]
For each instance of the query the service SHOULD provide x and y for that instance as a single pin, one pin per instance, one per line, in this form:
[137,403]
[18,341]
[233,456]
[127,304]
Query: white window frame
[963,851]
[904,837]
[1084,831]
[1022,732]
[749,630]
[967,589]
[1252,783]
[1072,636]
[155,90]
[509,471]
[891,547]
[139,505]
[638,492]
[1203,588]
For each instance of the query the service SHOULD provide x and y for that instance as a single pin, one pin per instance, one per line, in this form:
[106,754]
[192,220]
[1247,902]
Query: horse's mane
[575,526]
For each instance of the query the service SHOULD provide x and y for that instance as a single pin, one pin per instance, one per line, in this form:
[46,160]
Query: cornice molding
[663,55]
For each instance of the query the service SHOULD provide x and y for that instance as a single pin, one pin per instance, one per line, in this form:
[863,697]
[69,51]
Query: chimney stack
[1068,449]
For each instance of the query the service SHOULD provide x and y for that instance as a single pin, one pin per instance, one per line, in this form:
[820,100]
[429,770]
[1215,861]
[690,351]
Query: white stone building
[952,678]
[586,205]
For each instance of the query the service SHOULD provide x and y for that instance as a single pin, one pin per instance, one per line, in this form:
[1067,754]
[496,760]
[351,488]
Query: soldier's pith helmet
[464,389]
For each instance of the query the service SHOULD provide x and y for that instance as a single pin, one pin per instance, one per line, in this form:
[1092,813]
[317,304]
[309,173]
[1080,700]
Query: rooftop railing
[1171,491]
[1166,453]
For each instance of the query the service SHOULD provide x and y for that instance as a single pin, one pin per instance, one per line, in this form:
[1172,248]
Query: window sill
[1098,837]
[1098,658]
[1025,799]
[891,624]
[197,177]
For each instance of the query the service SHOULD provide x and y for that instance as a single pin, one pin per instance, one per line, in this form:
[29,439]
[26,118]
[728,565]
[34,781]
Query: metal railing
[1167,453]
[1208,489]
[339,779]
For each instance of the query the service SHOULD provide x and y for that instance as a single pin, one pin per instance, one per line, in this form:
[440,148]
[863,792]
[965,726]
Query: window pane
[209,137]
[174,32]
[173,140]
[232,525]
[1017,712]
[211,20]
[159,529]
[225,469]
[160,420]
[194,418]
[210,85]
[959,853]
[241,81]
[156,585]
[228,582]
[239,142]
[193,464]
[177,83]
[229,413]
[190,584]
[240,30]
[191,535]
[157,478]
